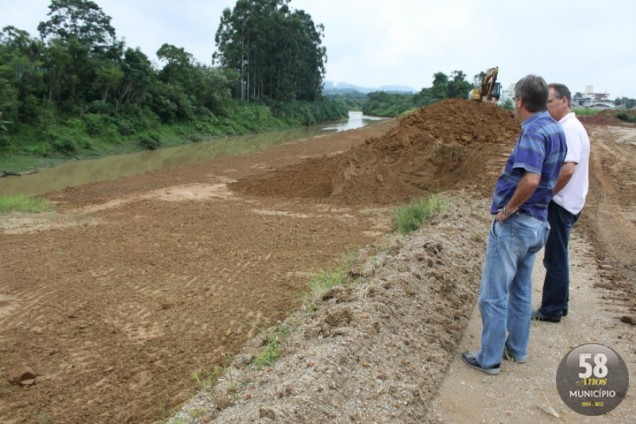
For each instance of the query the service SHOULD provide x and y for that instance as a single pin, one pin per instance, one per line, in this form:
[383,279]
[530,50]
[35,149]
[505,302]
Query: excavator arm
[489,90]
[488,84]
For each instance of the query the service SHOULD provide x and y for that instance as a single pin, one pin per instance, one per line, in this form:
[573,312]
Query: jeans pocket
[495,229]
[546,233]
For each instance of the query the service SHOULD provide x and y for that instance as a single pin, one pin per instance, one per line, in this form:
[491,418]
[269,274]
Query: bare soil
[109,306]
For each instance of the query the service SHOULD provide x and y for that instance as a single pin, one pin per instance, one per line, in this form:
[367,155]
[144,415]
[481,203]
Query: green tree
[138,79]
[212,88]
[440,83]
[509,105]
[624,102]
[444,88]
[458,86]
[82,20]
[82,42]
[57,61]
[21,74]
[276,52]
[179,64]
[191,86]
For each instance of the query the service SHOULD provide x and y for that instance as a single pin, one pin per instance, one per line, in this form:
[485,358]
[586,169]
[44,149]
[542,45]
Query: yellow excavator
[486,88]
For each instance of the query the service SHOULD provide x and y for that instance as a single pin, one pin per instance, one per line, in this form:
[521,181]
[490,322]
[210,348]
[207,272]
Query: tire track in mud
[613,194]
[123,311]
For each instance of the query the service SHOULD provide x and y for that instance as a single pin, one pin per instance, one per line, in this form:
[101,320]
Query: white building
[592,100]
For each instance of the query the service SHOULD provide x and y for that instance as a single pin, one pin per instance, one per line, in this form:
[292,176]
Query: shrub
[410,217]
[623,116]
[42,149]
[64,146]
[5,141]
[94,124]
[150,141]
[75,123]
[125,127]
[272,351]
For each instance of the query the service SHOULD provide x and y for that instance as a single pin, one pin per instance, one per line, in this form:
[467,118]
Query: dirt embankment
[453,144]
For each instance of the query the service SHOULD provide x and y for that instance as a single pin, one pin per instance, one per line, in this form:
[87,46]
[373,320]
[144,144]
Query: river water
[109,168]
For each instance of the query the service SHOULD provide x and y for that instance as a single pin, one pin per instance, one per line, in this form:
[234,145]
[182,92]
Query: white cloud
[389,42]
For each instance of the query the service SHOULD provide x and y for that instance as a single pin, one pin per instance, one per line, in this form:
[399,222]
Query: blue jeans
[556,284]
[505,296]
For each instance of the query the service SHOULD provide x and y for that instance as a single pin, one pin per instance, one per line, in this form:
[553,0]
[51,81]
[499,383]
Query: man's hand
[526,186]
[502,216]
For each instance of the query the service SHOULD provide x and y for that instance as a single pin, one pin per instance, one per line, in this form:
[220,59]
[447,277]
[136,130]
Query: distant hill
[342,87]
[396,89]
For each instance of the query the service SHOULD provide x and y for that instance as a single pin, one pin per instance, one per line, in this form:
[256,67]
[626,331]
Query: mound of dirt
[448,145]
[603,118]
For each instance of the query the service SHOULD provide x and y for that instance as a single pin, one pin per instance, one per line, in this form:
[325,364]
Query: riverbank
[168,136]
[94,135]
[76,172]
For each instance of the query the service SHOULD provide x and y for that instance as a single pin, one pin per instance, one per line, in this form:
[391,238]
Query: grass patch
[207,378]
[272,351]
[324,280]
[198,412]
[410,217]
[585,111]
[21,203]
[327,279]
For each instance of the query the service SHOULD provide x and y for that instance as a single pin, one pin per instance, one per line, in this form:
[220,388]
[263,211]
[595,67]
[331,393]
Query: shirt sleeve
[529,154]
[575,145]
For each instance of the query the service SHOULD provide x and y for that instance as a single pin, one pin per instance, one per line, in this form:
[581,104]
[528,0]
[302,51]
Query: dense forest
[76,90]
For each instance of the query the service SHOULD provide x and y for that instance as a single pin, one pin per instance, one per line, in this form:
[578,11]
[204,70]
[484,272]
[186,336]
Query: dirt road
[602,308]
[115,301]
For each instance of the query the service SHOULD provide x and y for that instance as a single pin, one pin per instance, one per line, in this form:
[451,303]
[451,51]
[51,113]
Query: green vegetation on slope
[22,203]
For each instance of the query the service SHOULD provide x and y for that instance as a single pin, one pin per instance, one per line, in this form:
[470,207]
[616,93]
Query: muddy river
[117,166]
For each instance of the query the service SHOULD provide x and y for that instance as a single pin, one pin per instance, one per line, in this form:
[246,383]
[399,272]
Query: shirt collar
[535,117]
[566,117]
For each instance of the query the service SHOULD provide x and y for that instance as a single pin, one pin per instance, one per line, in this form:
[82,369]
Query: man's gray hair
[534,91]
[561,91]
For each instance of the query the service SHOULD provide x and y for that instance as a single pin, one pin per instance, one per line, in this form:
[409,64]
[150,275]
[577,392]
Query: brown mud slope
[453,144]
[609,216]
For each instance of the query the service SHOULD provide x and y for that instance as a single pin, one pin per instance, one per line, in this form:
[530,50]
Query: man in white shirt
[565,208]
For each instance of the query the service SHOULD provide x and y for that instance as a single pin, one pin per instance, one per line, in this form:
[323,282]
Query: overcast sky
[372,43]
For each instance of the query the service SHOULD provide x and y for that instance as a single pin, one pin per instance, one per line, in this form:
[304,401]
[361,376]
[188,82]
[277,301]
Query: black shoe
[472,362]
[539,316]
[564,313]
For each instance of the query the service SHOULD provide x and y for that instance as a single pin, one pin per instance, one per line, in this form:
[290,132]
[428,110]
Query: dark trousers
[556,285]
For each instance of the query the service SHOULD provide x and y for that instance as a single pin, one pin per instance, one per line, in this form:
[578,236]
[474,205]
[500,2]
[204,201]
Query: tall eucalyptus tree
[276,50]
[86,56]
